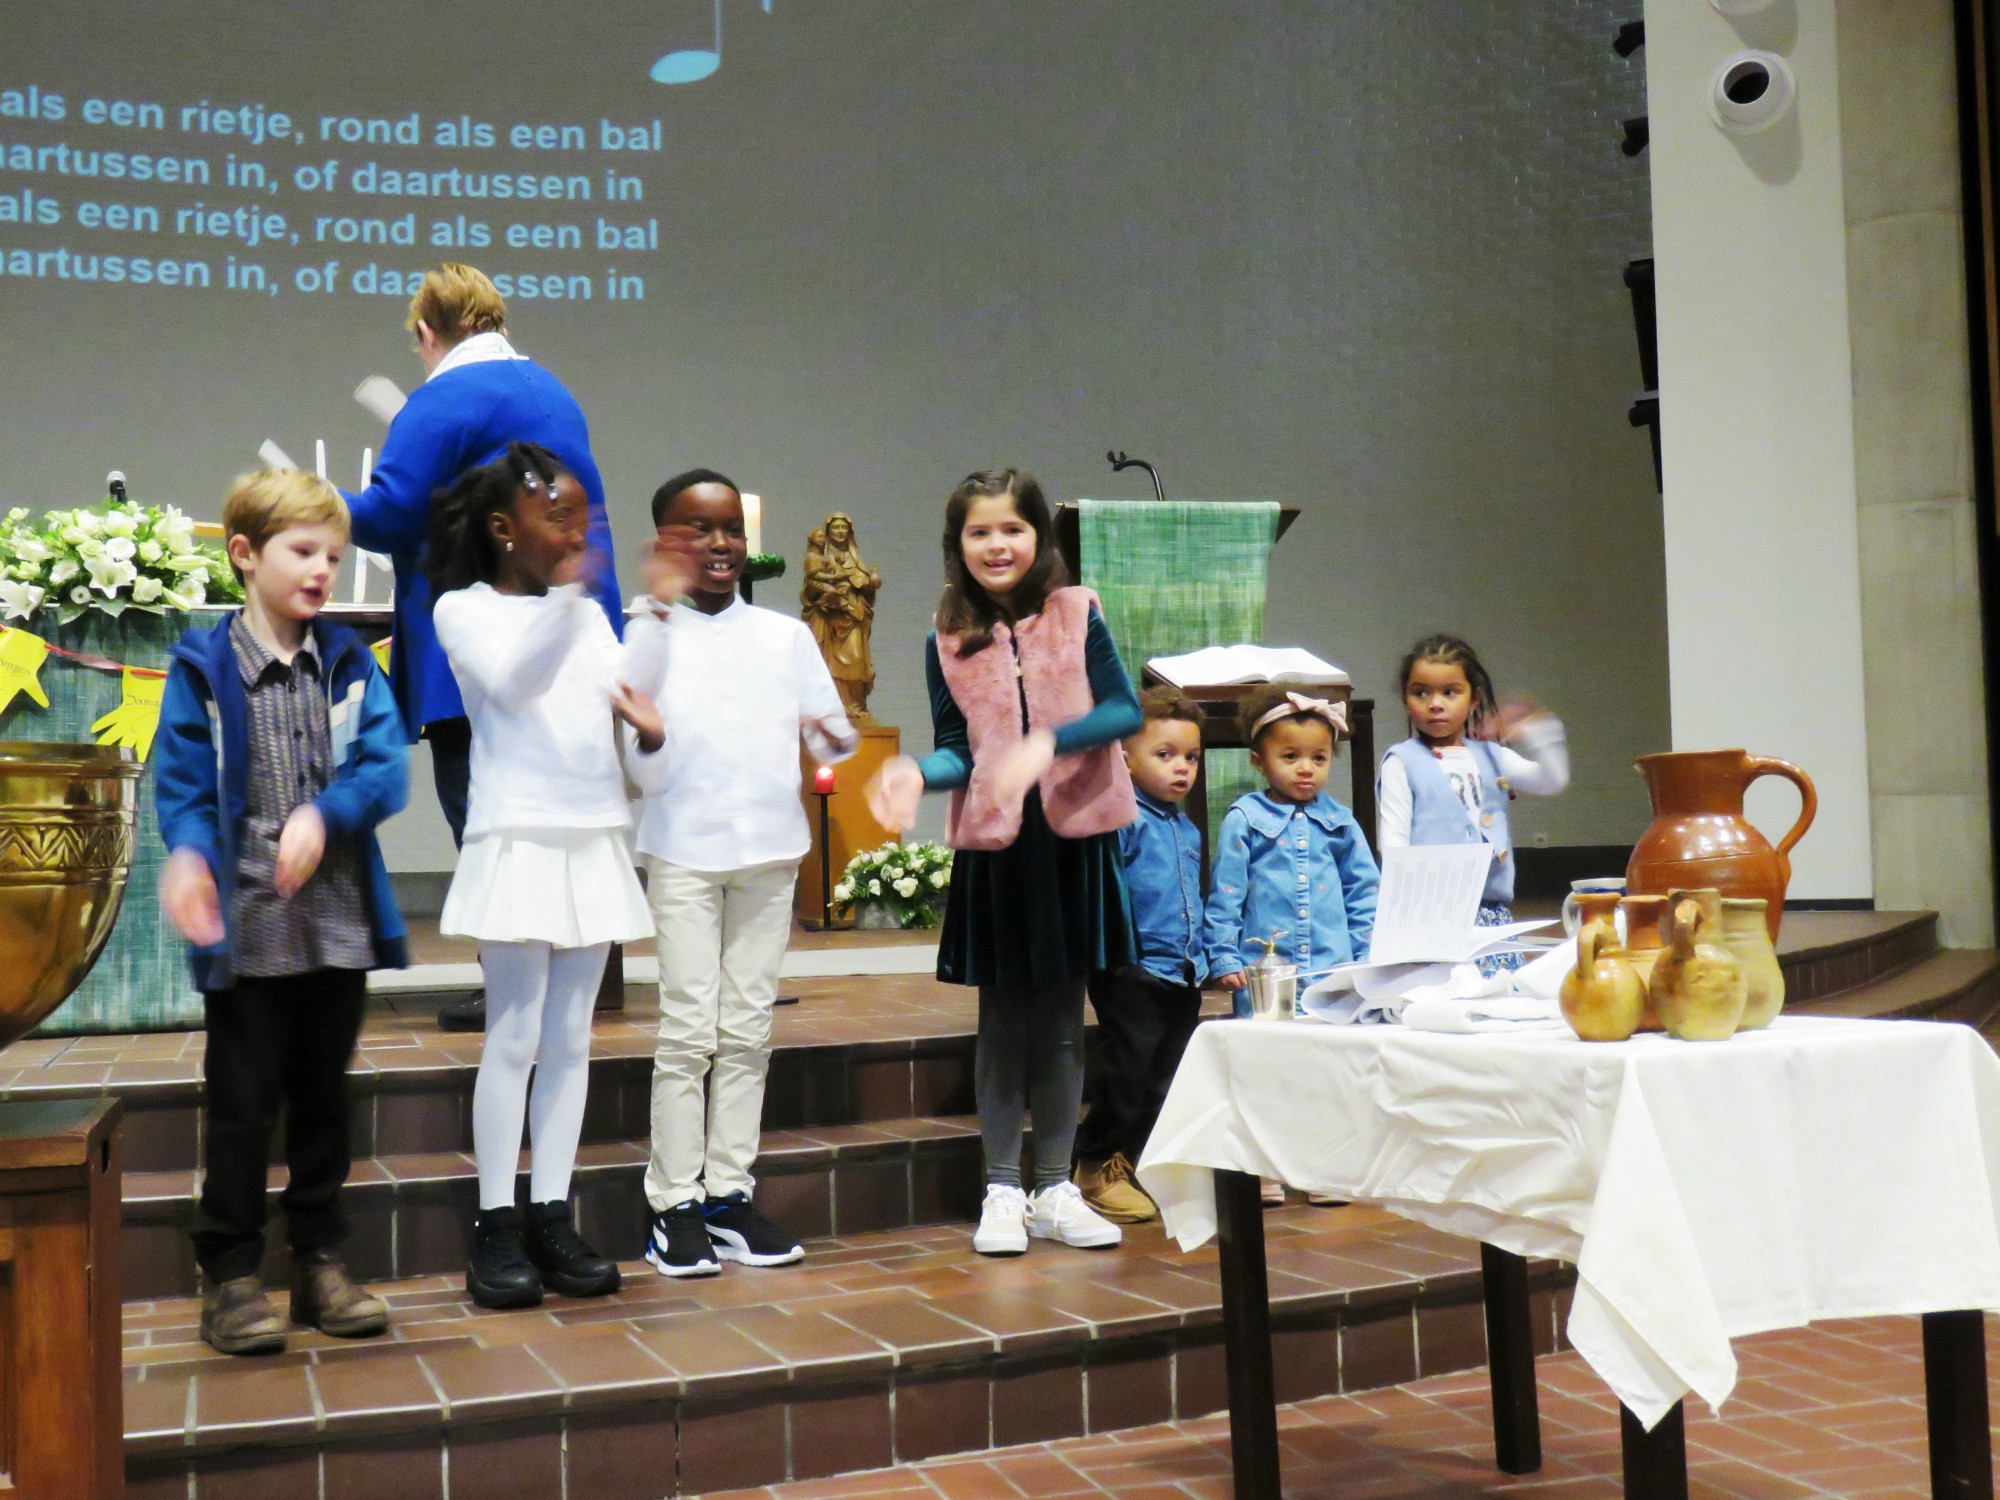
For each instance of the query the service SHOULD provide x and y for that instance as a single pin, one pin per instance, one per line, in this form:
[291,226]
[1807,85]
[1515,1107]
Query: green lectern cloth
[1175,576]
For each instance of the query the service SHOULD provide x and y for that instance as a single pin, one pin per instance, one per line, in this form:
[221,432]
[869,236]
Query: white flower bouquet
[117,556]
[908,881]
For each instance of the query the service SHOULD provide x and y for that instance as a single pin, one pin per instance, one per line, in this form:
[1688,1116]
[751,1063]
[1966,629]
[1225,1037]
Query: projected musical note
[692,64]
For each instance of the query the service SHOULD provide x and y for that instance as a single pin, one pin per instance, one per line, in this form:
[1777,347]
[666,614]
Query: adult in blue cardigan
[479,394]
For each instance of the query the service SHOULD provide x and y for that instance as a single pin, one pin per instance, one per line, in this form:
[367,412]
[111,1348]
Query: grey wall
[1362,256]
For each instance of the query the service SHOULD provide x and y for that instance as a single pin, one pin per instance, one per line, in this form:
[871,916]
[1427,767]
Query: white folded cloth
[1487,1013]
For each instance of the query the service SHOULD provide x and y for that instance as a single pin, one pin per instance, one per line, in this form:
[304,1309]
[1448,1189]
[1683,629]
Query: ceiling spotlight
[1751,91]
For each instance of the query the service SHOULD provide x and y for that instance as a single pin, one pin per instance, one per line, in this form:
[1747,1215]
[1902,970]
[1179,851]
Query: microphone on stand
[115,483]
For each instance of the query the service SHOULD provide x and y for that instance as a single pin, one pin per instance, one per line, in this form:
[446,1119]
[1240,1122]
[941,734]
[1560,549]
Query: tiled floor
[1832,1411]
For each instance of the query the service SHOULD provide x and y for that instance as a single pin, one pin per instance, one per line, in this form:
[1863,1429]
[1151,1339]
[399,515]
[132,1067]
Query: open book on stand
[1232,666]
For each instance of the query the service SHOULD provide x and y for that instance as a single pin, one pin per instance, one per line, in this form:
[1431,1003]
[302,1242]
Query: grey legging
[1030,1056]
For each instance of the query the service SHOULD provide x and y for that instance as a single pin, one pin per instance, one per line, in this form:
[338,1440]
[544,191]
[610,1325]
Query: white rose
[85,522]
[151,551]
[19,600]
[17,515]
[874,886]
[843,893]
[195,590]
[120,548]
[906,888]
[80,594]
[64,570]
[29,548]
[74,536]
[147,590]
[939,879]
[894,872]
[120,523]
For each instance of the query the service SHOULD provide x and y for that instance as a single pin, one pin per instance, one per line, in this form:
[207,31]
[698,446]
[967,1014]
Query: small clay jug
[1592,906]
[1643,945]
[1697,986]
[1601,997]
[1745,934]
[1699,837]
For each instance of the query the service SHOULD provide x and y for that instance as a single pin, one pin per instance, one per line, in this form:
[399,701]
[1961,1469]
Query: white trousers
[721,938]
[538,1005]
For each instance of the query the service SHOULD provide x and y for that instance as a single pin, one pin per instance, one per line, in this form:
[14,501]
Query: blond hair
[455,302]
[260,505]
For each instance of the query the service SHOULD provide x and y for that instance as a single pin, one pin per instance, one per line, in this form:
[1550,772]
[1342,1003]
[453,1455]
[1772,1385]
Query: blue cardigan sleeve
[427,446]
[185,795]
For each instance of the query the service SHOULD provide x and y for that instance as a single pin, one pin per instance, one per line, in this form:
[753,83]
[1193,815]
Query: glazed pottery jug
[1643,944]
[1697,986]
[1601,997]
[1745,935]
[1700,838]
[1572,914]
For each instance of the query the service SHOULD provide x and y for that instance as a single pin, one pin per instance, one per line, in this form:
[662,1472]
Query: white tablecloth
[1823,1168]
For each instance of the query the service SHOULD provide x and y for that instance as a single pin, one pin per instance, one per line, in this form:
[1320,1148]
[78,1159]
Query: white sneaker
[1003,1222]
[1059,1213]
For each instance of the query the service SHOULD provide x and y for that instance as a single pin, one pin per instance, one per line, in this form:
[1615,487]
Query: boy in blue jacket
[280,748]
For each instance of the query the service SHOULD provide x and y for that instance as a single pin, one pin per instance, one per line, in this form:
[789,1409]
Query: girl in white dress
[545,880]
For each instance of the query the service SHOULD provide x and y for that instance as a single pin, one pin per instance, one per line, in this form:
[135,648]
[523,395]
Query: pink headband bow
[1335,714]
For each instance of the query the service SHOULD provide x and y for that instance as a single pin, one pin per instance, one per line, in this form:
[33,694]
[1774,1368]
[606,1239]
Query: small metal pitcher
[1274,984]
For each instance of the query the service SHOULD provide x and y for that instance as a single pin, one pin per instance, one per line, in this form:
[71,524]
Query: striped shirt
[325,924]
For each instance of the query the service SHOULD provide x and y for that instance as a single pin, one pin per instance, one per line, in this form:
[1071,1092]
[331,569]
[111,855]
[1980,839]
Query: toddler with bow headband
[1290,863]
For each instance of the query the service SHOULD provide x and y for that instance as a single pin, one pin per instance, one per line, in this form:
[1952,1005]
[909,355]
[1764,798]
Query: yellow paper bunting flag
[381,650]
[21,658]
[134,721]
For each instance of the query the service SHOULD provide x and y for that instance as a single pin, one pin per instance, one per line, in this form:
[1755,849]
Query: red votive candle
[823,780]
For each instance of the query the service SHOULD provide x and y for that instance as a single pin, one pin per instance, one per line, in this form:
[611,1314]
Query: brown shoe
[1108,1188]
[236,1319]
[325,1297]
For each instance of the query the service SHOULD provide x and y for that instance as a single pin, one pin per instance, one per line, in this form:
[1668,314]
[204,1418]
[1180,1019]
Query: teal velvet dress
[1045,910]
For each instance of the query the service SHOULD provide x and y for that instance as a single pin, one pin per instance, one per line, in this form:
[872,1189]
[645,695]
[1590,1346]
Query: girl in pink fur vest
[1028,705]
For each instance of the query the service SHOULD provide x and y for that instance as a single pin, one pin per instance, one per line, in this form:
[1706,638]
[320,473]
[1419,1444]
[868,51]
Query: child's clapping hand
[671,564]
[301,846]
[642,713]
[188,897]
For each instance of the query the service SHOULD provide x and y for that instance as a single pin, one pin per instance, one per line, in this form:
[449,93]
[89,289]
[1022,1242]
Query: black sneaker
[567,1264]
[743,1235]
[678,1244]
[468,1014]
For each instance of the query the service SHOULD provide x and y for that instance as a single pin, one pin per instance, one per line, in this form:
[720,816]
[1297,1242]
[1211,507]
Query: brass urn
[67,817]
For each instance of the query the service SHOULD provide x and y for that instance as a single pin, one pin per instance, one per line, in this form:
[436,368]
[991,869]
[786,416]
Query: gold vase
[66,829]
[1746,933]
[1698,990]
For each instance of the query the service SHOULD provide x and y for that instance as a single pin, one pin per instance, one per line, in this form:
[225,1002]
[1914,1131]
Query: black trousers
[1143,1026]
[451,770]
[276,1042]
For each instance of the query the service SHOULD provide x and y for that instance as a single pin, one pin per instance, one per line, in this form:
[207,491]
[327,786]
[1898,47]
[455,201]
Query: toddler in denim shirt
[1289,859]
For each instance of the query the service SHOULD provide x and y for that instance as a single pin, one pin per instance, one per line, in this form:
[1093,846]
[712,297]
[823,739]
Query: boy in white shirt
[722,833]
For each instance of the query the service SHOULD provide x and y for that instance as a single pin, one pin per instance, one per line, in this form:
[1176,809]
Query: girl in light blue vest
[1466,758]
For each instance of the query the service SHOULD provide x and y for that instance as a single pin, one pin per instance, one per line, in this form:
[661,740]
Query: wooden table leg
[1510,1361]
[1246,1334]
[1955,1401]
[1656,1462]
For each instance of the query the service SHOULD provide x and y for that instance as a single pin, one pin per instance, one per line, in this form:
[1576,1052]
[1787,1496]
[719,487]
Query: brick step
[411,1214]
[878,1349]
[1956,984]
[1826,953]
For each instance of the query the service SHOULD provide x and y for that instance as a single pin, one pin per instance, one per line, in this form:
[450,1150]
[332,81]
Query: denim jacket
[1305,870]
[1162,854]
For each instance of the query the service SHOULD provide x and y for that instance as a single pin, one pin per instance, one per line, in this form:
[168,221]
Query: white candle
[753,523]
[367,465]
[319,457]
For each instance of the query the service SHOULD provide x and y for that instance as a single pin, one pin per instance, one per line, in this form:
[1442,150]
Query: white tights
[538,1005]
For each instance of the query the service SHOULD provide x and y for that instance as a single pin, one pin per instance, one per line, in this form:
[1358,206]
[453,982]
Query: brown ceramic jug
[1700,838]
